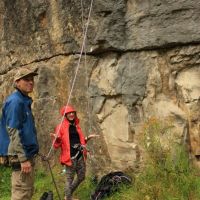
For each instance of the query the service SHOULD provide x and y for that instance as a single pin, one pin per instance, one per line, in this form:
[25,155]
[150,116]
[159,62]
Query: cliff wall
[141,60]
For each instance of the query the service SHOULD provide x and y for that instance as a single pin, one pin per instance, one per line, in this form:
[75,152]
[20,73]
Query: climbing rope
[86,71]
[52,176]
[46,158]
[75,76]
[87,92]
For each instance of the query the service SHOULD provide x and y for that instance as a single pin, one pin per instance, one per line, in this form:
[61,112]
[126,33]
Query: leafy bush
[167,173]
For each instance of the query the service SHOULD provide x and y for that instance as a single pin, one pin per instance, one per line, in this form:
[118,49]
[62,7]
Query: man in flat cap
[18,137]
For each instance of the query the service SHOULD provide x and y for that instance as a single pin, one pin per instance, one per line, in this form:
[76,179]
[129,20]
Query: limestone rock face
[141,59]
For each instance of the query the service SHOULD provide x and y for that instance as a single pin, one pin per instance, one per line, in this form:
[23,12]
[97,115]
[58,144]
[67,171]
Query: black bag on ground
[109,184]
[47,196]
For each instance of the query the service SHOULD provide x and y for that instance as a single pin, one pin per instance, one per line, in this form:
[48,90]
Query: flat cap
[22,72]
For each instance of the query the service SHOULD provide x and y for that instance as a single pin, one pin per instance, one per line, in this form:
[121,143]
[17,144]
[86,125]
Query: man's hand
[26,167]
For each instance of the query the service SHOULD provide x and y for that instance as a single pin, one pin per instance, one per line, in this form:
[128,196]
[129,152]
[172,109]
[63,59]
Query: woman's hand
[53,136]
[91,136]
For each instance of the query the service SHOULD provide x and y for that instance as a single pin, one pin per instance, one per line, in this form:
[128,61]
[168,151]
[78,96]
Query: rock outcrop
[141,60]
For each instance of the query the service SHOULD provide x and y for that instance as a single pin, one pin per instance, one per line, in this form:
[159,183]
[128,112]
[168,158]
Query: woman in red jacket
[69,137]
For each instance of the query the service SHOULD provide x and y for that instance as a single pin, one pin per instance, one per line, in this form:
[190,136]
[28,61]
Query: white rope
[91,151]
[88,97]
[74,80]
[86,71]
[82,15]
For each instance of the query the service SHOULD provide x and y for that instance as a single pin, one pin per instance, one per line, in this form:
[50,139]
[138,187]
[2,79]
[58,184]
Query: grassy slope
[149,185]
[167,175]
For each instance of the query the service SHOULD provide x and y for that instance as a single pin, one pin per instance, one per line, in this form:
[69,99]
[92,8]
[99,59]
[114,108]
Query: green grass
[5,183]
[44,182]
[166,173]
[154,182]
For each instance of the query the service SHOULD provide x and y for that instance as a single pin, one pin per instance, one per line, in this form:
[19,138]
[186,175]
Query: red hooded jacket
[62,140]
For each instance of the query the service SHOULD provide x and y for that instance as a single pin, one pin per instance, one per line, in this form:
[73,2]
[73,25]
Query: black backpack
[109,184]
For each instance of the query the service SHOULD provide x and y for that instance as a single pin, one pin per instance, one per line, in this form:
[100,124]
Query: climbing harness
[80,148]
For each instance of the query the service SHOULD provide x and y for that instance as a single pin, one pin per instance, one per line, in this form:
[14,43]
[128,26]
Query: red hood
[67,109]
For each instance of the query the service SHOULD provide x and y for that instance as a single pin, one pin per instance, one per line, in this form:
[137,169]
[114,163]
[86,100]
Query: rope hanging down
[76,72]
[52,176]
[86,70]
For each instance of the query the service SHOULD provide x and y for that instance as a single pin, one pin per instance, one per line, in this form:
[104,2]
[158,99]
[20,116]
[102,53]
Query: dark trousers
[75,174]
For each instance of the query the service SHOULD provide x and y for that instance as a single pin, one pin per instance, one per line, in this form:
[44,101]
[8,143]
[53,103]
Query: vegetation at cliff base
[165,173]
